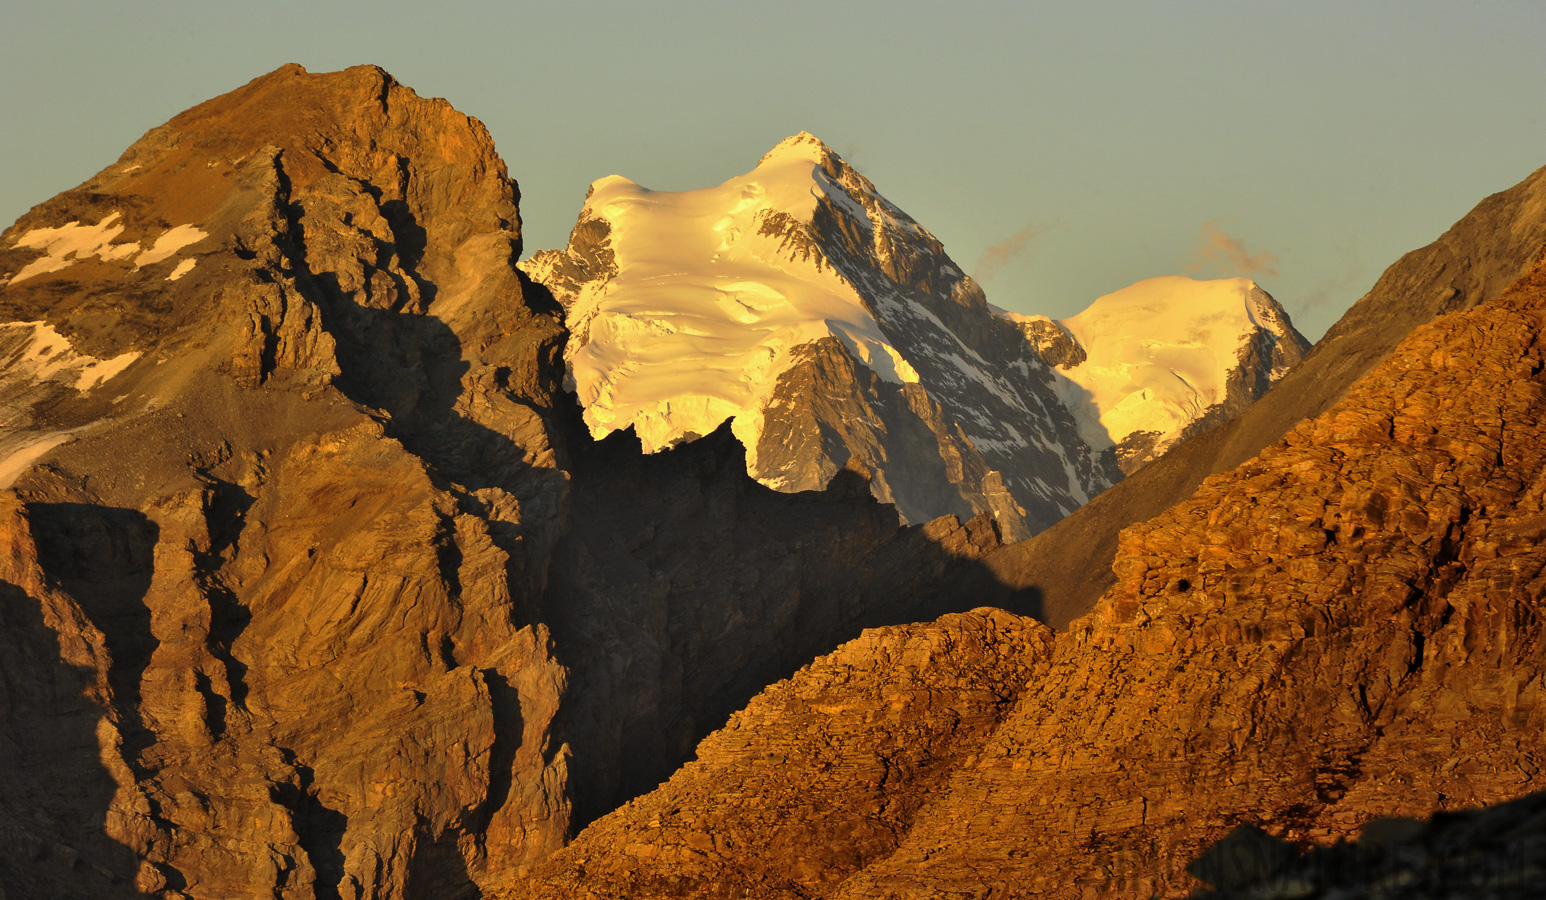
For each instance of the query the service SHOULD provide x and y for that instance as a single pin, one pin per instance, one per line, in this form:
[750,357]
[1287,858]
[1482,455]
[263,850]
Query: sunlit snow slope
[704,311]
[1158,357]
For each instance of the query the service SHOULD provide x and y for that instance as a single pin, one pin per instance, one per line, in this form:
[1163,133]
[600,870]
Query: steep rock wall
[299,533]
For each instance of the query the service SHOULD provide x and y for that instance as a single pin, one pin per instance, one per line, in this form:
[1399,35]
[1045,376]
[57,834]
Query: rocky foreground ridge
[1347,626]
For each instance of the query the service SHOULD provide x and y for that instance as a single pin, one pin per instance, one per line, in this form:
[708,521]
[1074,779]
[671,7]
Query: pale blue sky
[1326,137]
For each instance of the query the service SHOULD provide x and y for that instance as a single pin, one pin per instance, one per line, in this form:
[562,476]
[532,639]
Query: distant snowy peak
[828,326]
[1146,365]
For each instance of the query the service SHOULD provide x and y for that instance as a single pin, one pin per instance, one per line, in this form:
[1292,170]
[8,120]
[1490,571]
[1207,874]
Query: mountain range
[834,332]
[720,552]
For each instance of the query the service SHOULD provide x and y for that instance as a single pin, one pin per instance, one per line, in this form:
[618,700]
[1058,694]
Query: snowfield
[72,242]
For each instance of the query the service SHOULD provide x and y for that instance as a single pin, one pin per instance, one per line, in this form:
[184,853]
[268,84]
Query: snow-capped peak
[704,306]
[828,326]
[1157,356]
[803,146]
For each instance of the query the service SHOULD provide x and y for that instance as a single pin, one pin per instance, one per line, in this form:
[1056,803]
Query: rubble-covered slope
[1345,627]
[1069,566]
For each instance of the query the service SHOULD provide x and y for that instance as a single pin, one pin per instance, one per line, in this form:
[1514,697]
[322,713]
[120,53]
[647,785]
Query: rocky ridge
[1346,627]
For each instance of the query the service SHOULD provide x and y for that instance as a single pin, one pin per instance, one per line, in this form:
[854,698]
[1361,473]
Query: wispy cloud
[1220,251]
[1005,251]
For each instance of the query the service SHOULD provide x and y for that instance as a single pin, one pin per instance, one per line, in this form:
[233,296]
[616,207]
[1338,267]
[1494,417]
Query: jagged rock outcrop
[830,328]
[1348,626]
[283,488]
[1067,568]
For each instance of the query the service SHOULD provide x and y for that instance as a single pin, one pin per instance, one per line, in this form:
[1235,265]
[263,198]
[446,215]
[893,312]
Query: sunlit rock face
[829,328]
[281,485]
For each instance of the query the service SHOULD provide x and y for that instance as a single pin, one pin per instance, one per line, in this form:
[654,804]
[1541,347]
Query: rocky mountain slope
[314,584]
[282,480]
[1345,627]
[1474,261]
[834,332]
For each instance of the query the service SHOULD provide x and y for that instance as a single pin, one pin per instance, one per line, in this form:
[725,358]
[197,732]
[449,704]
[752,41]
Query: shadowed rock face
[1494,853]
[681,588]
[1485,252]
[1345,627]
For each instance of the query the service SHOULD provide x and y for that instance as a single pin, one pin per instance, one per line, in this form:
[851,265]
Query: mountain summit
[829,327]
[272,396]
[1145,366]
